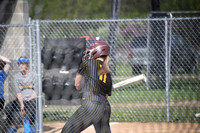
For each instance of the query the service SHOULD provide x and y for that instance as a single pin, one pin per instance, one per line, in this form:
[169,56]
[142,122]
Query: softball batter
[95,108]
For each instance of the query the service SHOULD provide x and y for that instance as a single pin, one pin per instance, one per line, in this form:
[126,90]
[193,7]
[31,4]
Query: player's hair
[105,66]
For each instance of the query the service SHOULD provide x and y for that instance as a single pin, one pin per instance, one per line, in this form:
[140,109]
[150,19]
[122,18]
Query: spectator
[25,86]
[4,67]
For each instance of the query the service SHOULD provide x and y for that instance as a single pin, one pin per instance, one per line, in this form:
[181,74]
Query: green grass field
[136,103]
[133,94]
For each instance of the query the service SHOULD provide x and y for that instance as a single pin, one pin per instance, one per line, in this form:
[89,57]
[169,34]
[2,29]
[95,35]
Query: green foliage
[95,9]
[70,9]
[179,5]
[135,8]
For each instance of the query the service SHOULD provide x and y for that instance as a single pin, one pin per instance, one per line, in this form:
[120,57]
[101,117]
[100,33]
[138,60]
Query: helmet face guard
[86,54]
[23,60]
[96,50]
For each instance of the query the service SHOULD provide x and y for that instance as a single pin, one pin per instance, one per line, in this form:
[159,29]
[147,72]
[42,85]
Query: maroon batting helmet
[96,50]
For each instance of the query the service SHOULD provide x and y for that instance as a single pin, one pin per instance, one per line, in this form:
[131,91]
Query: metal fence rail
[166,50]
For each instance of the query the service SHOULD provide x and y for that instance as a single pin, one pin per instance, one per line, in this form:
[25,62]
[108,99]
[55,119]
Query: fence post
[40,115]
[148,54]
[30,44]
[167,68]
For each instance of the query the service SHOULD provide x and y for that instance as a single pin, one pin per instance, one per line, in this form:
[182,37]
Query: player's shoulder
[1,73]
[32,72]
[94,61]
[109,74]
[18,74]
[88,62]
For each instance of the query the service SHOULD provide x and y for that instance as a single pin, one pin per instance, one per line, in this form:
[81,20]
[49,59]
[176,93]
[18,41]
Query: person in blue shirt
[4,68]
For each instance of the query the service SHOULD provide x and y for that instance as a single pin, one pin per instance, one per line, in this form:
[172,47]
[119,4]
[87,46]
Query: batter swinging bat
[129,81]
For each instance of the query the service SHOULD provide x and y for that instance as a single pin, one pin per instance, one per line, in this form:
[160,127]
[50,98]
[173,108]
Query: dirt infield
[135,127]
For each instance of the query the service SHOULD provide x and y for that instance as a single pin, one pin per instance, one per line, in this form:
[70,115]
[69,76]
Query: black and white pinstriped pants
[95,109]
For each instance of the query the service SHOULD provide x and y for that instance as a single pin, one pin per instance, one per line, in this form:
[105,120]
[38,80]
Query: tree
[100,9]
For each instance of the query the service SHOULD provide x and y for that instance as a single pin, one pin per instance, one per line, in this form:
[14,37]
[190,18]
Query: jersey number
[103,77]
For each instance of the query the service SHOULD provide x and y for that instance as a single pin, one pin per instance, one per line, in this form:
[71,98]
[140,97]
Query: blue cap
[23,60]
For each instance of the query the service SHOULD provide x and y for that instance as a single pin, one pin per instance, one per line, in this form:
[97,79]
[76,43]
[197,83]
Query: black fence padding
[61,59]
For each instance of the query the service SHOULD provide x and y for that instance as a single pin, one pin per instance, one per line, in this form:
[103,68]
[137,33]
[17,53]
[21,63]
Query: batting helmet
[96,50]
[23,60]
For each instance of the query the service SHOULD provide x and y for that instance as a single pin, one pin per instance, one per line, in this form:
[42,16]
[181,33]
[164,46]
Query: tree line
[100,9]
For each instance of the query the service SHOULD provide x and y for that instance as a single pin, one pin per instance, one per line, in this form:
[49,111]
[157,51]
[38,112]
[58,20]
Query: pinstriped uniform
[95,108]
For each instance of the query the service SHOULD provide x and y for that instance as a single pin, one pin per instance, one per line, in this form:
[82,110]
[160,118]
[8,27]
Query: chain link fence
[15,43]
[166,50]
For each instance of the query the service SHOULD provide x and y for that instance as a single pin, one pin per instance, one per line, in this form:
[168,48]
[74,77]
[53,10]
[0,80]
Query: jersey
[98,84]
[3,76]
[95,108]
[26,85]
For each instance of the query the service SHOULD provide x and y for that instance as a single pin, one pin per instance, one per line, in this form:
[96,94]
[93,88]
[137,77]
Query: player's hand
[107,96]
[22,111]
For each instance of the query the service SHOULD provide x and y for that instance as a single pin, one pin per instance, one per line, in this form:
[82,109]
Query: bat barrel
[130,81]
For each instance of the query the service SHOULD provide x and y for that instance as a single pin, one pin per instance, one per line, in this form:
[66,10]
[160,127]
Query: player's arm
[19,97]
[80,73]
[108,85]
[78,80]
[33,96]
[35,86]
[19,94]
[7,61]
[106,95]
